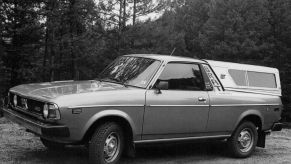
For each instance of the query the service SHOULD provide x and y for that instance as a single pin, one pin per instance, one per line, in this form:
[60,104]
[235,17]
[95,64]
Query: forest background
[51,40]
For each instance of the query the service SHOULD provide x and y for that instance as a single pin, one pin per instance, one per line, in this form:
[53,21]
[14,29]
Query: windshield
[128,70]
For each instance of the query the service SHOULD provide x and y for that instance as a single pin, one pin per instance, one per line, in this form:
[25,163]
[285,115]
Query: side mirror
[161,85]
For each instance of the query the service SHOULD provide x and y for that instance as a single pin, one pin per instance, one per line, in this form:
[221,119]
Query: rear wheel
[244,140]
[106,144]
[52,145]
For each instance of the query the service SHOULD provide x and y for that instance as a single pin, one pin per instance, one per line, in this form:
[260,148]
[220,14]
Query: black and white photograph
[145,81]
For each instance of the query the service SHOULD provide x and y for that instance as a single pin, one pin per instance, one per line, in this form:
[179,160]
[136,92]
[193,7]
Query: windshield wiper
[108,79]
[124,83]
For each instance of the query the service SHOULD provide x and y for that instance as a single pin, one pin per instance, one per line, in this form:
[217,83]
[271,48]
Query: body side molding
[180,139]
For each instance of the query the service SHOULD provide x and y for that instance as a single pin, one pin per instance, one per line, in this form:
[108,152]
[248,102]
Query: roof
[168,58]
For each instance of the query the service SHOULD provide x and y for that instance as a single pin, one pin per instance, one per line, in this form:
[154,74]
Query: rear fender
[261,134]
[247,113]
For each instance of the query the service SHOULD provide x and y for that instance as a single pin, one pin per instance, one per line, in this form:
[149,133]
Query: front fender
[106,113]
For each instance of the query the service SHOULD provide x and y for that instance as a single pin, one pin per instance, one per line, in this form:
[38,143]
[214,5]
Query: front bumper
[44,130]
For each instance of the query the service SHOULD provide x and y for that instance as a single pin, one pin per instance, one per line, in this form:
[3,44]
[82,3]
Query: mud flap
[130,150]
[262,139]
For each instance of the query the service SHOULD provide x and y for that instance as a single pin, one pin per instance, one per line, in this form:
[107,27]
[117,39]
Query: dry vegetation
[18,146]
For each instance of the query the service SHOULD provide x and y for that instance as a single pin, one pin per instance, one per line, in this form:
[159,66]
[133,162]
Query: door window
[181,76]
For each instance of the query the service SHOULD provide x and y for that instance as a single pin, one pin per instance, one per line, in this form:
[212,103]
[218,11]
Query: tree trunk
[52,71]
[75,72]
[51,37]
[134,13]
[120,15]
[52,54]
[60,61]
[133,23]
[124,14]
[44,78]
[61,48]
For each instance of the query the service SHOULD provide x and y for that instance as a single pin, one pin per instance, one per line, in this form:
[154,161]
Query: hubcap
[245,140]
[111,147]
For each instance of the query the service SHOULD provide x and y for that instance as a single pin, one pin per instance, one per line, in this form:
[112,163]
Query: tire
[106,144]
[52,145]
[244,140]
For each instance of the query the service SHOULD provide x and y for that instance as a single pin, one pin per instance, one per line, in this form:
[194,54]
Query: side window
[238,76]
[260,79]
[181,76]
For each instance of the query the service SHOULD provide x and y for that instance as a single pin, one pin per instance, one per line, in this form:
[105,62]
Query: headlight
[51,111]
[45,111]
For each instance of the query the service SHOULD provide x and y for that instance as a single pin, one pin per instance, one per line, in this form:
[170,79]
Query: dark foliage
[47,40]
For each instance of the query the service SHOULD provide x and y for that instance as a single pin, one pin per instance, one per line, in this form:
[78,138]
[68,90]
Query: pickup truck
[141,99]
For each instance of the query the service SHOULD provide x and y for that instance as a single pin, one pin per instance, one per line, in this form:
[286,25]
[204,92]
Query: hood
[51,90]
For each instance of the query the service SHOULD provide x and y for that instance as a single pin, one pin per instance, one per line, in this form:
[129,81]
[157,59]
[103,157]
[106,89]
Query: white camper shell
[247,78]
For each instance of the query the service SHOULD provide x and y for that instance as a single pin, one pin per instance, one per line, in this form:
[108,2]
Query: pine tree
[21,34]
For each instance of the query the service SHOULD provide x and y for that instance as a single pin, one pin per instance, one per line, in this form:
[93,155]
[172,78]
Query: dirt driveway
[17,146]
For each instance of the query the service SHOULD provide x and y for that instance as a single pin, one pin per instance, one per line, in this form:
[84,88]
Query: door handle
[201,99]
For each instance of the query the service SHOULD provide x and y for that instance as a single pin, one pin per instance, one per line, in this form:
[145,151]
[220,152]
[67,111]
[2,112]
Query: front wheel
[106,144]
[244,140]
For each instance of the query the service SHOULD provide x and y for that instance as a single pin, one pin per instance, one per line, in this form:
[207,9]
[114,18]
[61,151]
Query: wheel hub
[245,140]
[111,147]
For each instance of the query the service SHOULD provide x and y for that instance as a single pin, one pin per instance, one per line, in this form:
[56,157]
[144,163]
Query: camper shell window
[253,79]
[260,79]
[238,76]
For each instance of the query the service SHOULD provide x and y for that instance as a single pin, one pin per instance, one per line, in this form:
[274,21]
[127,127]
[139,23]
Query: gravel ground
[18,146]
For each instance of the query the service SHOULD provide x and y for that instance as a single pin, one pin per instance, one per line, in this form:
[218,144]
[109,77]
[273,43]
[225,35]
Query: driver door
[181,107]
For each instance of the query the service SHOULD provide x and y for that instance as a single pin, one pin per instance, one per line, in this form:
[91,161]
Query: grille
[26,104]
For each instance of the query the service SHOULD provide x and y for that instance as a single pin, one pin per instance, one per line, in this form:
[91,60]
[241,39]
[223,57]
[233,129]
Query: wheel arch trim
[109,113]
[248,113]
